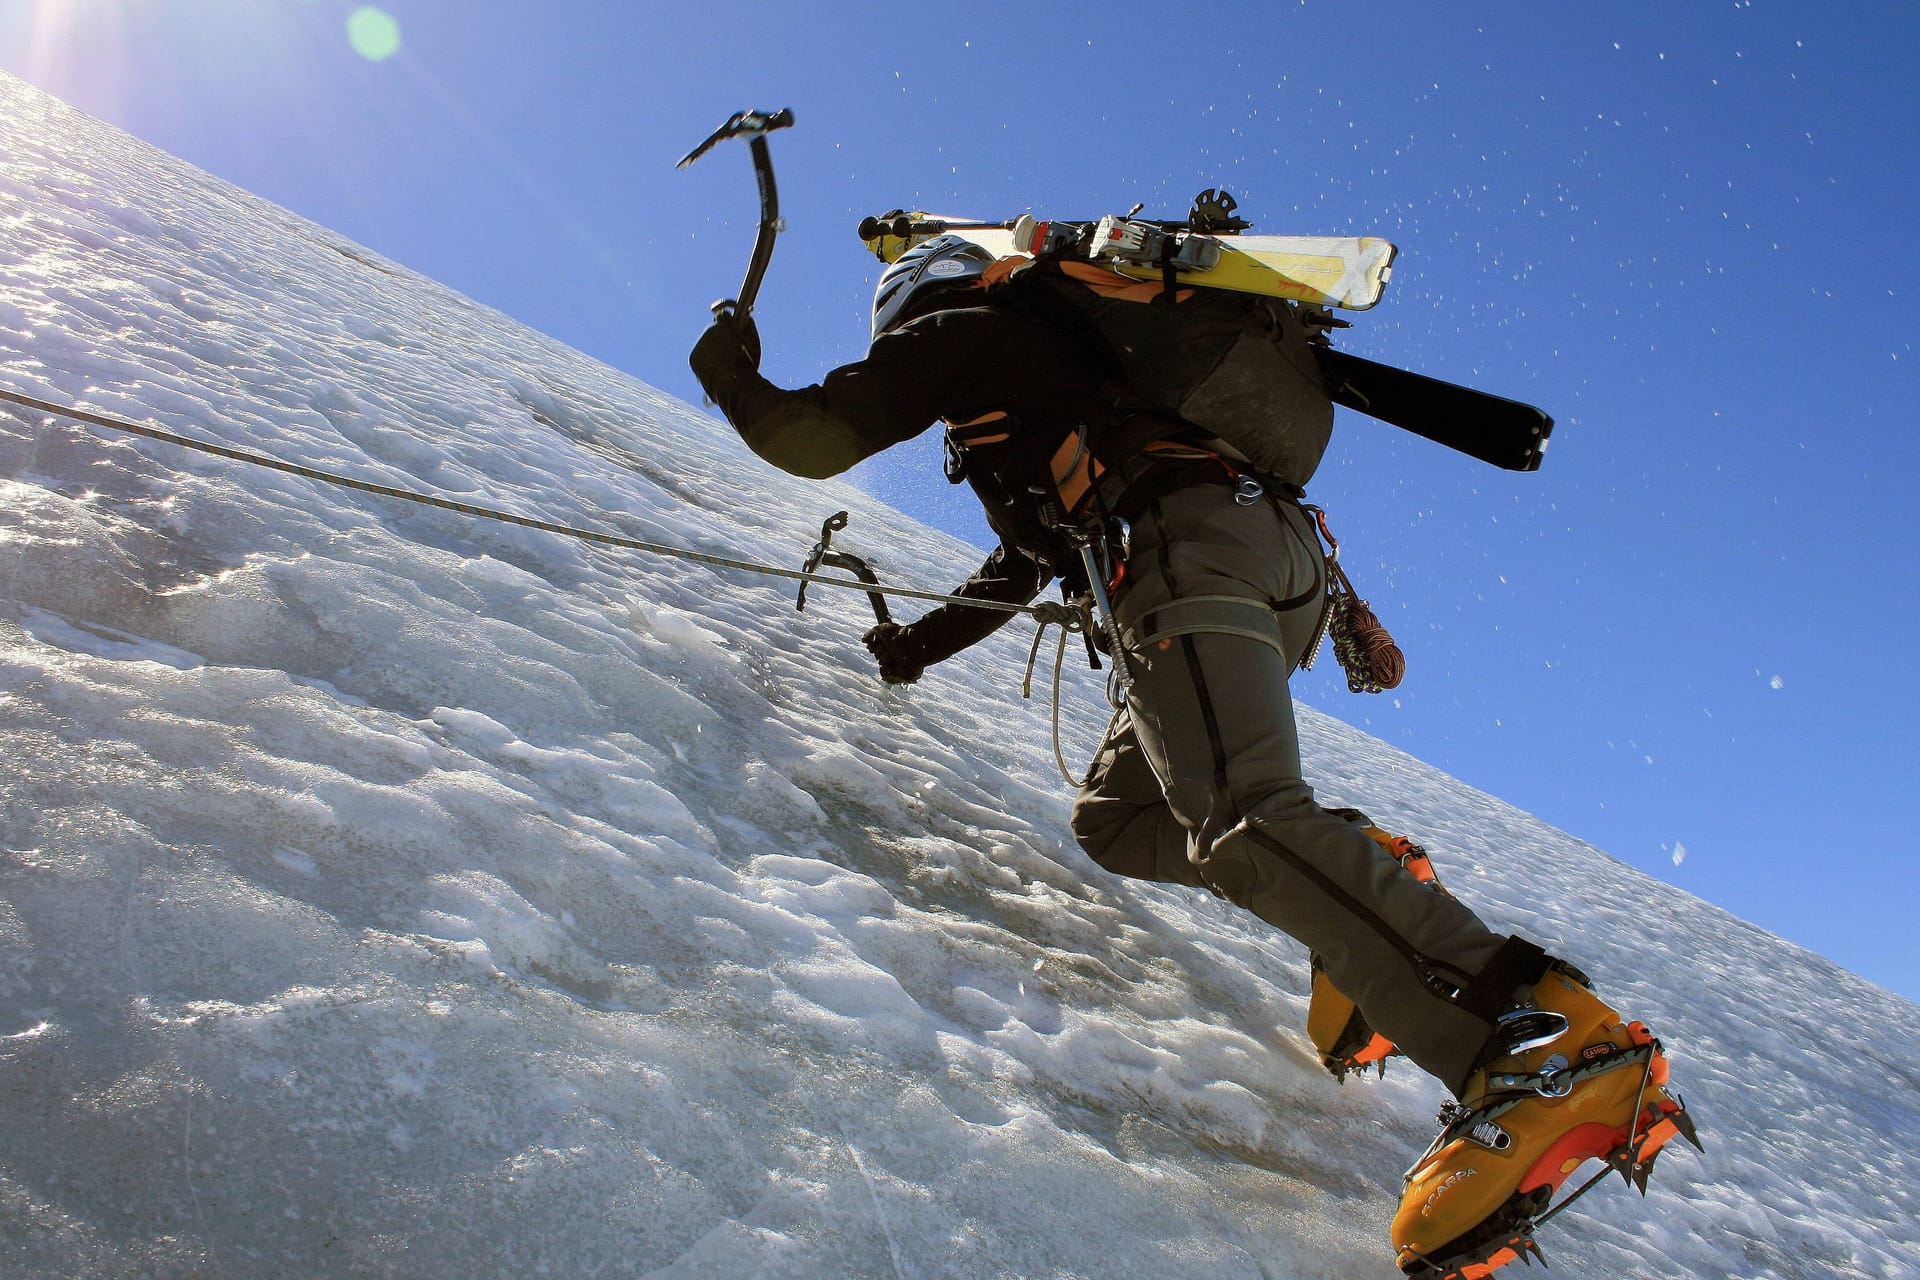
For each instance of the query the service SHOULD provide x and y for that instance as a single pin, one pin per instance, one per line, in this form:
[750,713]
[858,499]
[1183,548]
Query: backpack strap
[1125,452]
[1122,422]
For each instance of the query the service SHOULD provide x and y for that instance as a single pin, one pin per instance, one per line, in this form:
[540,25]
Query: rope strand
[490,513]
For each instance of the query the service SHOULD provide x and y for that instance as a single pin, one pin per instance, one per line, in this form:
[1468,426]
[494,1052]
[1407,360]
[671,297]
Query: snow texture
[389,893]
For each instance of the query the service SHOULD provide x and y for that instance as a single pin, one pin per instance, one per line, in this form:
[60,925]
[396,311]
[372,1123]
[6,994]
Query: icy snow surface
[386,893]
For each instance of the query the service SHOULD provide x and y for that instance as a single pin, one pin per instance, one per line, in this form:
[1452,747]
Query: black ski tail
[1505,433]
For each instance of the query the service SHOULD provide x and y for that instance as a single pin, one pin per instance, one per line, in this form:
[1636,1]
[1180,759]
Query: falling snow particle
[1679,853]
[1776,683]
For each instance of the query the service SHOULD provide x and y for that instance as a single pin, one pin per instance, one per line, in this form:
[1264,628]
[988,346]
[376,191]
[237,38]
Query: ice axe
[824,553]
[754,126]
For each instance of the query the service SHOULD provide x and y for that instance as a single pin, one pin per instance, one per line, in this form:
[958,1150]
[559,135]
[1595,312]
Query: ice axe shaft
[754,126]
[1103,611]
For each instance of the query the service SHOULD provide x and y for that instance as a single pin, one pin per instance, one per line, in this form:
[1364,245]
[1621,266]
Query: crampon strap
[1539,1084]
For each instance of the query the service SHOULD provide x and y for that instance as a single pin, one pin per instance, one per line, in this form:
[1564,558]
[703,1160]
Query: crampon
[1510,1234]
[1612,1105]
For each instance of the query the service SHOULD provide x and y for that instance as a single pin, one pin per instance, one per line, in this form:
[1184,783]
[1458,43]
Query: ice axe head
[742,124]
[754,126]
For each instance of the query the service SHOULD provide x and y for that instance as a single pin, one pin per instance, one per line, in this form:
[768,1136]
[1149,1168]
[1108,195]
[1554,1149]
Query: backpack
[1233,366]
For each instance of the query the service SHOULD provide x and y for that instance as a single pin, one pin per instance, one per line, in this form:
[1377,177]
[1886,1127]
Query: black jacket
[957,365]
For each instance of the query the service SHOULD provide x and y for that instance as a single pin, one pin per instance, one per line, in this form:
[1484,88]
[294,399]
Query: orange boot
[1580,1083]
[1346,1040]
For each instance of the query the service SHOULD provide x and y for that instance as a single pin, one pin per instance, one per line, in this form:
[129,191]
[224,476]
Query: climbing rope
[1073,618]
[489,513]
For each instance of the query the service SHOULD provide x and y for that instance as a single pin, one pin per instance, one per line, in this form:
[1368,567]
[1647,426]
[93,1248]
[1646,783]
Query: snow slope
[389,893]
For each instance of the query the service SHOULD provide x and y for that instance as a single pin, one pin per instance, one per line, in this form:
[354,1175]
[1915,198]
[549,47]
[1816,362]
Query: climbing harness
[872,588]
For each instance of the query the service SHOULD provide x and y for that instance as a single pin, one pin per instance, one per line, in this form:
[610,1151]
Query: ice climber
[1217,582]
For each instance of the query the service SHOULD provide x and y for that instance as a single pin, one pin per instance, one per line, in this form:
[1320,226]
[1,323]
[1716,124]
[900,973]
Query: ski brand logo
[1451,1181]
[946,267]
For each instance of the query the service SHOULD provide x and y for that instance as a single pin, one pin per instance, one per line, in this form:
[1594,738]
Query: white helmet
[912,277]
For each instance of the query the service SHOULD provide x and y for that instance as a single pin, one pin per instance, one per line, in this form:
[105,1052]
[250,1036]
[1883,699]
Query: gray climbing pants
[1199,782]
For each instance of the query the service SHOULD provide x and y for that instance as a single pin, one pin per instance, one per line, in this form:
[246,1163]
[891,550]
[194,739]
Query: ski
[1505,433]
[1209,249]
[1349,272]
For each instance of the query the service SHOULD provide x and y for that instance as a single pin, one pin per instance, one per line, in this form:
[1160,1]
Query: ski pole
[754,126]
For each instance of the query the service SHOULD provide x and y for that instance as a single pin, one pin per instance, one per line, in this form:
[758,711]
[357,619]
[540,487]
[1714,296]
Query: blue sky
[1680,228]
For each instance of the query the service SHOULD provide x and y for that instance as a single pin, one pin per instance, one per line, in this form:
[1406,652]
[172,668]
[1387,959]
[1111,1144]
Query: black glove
[729,348]
[899,657]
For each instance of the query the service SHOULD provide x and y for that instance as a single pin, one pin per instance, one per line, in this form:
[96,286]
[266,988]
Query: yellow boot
[1593,1088]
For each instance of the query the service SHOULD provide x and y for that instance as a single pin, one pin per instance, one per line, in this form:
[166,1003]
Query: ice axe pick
[753,126]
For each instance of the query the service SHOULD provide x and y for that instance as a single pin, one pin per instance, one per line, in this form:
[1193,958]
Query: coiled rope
[490,513]
[1072,619]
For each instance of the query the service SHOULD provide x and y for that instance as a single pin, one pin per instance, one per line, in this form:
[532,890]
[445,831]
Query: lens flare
[373,33]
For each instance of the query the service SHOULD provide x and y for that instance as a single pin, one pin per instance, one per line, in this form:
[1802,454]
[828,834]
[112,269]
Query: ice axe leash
[753,126]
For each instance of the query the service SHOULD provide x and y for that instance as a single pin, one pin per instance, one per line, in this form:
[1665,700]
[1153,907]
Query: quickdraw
[1073,617]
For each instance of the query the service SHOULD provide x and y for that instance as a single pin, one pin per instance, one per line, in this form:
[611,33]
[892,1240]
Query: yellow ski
[1350,272]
